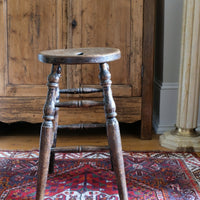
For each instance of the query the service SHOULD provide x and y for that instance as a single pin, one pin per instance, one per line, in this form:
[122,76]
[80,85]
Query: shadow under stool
[49,127]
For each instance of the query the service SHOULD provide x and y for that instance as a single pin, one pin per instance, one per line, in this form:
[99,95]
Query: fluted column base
[181,140]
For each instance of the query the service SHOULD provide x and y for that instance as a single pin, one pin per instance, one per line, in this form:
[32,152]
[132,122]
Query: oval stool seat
[80,55]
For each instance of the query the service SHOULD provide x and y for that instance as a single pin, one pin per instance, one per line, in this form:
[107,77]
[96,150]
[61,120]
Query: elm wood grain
[115,33]
[118,91]
[118,34]
[80,55]
[27,18]
[73,74]
[148,64]
[15,110]
[136,46]
[24,91]
[79,104]
[24,28]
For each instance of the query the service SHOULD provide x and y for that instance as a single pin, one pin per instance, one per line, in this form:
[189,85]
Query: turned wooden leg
[43,166]
[114,141]
[111,156]
[47,131]
[55,125]
[113,131]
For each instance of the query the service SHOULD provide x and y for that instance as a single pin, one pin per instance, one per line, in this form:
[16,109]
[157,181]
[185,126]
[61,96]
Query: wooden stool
[49,127]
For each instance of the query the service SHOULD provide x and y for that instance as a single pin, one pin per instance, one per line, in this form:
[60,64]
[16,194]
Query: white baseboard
[160,129]
[165,106]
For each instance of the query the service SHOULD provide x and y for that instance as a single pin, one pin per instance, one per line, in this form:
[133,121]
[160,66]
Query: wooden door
[27,27]
[113,23]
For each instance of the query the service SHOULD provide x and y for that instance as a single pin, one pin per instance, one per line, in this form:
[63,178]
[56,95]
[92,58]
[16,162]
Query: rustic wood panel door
[27,27]
[113,23]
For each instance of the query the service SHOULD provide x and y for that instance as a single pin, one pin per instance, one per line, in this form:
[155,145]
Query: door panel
[108,23]
[30,26]
[101,26]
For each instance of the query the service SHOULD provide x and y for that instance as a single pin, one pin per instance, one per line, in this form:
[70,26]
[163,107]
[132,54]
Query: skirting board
[165,106]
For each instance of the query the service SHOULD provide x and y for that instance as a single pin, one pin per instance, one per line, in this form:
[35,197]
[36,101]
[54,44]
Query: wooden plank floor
[25,136]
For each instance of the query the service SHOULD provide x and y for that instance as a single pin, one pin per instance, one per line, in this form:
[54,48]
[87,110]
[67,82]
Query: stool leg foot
[114,141]
[43,166]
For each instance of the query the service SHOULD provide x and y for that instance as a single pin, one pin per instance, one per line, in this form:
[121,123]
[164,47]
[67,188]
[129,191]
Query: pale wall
[167,69]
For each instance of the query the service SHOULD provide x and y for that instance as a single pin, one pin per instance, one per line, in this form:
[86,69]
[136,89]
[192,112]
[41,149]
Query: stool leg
[47,132]
[113,131]
[55,125]
[114,141]
[43,166]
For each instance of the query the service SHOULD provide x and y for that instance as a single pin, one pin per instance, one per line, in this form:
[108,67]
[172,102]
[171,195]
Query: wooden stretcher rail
[79,104]
[76,149]
[81,126]
[80,90]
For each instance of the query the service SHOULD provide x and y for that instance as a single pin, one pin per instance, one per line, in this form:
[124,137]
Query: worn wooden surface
[99,24]
[80,90]
[148,63]
[78,149]
[25,25]
[25,136]
[79,55]
[80,104]
[48,134]
[81,126]
[31,26]
[128,109]
[113,131]
[48,129]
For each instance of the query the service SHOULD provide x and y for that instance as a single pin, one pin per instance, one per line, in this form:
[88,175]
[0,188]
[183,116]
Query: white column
[185,137]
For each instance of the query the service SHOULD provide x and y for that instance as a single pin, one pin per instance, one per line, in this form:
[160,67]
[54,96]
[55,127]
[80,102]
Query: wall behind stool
[167,63]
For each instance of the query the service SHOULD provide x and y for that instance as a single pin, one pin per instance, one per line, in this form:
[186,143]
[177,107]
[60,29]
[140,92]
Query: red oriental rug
[88,176]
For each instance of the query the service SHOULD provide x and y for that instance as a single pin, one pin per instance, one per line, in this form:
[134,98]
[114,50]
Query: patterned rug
[88,176]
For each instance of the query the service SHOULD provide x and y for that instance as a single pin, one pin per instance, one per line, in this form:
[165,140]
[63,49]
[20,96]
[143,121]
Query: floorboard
[24,136]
